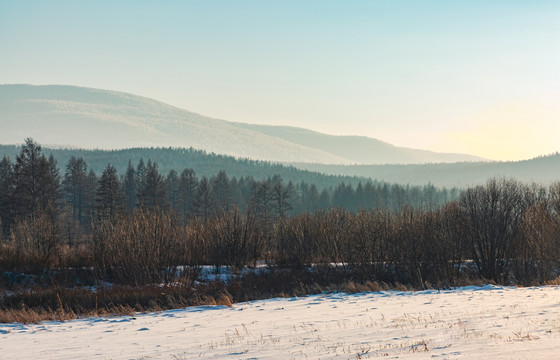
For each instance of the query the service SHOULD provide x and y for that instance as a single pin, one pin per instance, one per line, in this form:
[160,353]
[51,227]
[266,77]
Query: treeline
[78,196]
[111,230]
[202,162]
[504,232]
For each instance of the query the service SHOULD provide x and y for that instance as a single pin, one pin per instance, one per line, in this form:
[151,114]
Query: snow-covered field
[472,322]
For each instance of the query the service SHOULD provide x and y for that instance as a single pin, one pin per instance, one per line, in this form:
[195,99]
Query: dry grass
[58,303]
[40,304]
[553,282]
[33,316]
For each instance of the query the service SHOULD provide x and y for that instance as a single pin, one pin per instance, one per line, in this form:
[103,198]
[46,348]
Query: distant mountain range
[70,116]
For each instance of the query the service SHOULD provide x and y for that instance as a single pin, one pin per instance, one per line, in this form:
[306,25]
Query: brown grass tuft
[554,282]
[224,299]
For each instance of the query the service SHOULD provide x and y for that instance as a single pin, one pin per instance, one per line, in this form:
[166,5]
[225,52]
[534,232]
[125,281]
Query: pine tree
[222,191]
[312,197]
[129,187]
[360,200]
[92,184]
[75,187]
[260,201]
[172,188]
[188,185]
[110,196]
[140,179]
[204,201]
[237,195]
[153,194]
[34,186]
[6,190]
[324,200]
[343,196]
[55,174]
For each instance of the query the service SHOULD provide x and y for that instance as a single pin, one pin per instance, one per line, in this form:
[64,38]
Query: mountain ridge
[359,148]
[87,117]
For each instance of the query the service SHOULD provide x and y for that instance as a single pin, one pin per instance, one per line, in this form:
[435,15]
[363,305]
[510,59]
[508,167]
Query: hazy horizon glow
[477,77]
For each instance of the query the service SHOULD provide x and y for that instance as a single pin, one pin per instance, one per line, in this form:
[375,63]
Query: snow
[470,322]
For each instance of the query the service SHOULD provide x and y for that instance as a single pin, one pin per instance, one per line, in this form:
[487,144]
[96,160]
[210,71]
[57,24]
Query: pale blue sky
[481,77]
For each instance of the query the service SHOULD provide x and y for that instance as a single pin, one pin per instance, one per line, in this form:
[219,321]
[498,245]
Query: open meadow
[491,322]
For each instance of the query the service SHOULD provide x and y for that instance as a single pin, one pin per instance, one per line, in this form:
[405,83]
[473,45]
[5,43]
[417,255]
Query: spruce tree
[109,196]
[129,186]
[152,194]
[75,187]
[188,185]
[140,179]
[6,190]
[222,191]
[204,201]
[172,188]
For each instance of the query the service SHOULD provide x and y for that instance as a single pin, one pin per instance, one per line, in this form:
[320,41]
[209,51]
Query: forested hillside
[82,184]
[544,170]
[202,162]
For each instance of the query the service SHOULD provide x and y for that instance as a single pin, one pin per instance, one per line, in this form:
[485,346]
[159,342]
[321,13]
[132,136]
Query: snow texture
[472,322]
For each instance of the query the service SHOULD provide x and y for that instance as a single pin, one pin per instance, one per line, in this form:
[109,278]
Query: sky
[477,77]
